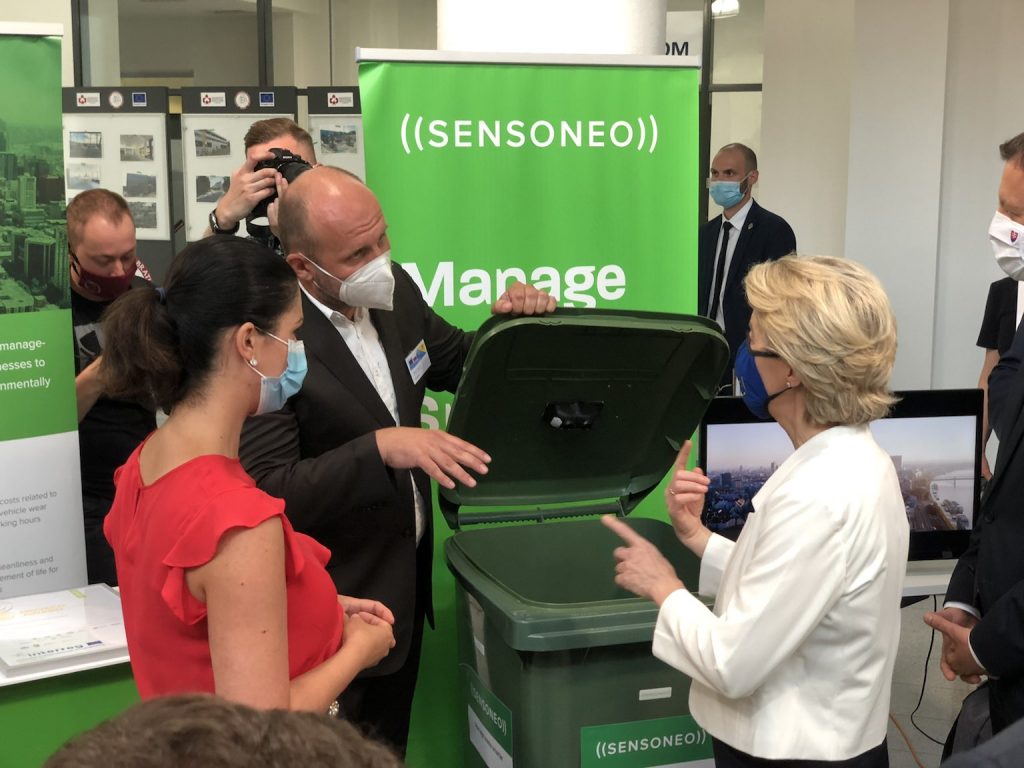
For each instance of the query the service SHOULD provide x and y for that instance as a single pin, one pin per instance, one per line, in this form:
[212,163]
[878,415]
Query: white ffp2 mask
[1007,239]
[371,286]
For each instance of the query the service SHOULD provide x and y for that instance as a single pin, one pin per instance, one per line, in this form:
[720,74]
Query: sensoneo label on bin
[490,722]
[668,742]
[653,694]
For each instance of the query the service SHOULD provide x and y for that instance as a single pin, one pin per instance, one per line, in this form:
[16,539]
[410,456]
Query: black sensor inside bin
[582,411]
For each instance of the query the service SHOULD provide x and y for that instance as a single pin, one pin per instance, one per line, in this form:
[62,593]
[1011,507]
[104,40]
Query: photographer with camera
[256,186]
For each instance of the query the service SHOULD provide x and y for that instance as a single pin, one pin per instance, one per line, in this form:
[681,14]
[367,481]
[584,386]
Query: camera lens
[289,165]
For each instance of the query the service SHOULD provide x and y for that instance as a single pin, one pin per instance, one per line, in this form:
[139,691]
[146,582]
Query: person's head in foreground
[199,731]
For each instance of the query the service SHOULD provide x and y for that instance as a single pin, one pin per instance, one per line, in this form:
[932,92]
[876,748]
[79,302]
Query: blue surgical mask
[275,390]
[727,193]
[755,396]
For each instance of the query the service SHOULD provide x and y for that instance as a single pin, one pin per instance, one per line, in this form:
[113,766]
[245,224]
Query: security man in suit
[347,453]
[982,620]
[731,243]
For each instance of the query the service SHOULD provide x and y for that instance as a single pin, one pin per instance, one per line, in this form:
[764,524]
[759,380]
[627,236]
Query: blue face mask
[275,390]
[726,193]
[755,396]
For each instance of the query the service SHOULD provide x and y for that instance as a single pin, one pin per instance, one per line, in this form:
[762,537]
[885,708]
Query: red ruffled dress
[158,531]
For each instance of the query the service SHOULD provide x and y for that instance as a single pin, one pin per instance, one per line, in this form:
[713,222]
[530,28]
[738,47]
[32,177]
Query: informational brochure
[51,628]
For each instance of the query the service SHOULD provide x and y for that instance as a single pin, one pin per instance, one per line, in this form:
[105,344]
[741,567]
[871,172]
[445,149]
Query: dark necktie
[716,287]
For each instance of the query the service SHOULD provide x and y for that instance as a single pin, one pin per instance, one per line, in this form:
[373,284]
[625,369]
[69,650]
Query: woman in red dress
[219,593]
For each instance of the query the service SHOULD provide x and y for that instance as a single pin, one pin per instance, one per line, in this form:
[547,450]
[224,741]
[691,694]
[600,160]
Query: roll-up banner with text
[42,544]
[576,174]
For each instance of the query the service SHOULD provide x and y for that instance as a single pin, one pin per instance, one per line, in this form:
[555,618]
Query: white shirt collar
[740,216]
[332,314]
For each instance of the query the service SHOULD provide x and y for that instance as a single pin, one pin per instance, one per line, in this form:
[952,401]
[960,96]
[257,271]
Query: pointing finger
[684,455]
[624,532]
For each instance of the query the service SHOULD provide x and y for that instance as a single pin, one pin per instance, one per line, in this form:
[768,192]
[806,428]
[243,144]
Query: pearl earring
[252,362]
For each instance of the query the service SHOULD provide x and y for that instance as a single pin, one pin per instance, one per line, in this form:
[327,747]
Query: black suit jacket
[765,236]
[990,574]
[320,455]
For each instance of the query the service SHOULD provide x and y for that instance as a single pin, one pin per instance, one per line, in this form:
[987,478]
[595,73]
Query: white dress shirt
[796,660]
[362,339]
[734,234]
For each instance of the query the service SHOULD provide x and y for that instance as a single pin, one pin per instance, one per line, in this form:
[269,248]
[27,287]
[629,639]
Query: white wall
[805,120]
[738,46]
[47,12]
[897,102]
[880,130]
[983,109]
[307,43]
[217,49]
[541,26]
[101,28]
[379,24]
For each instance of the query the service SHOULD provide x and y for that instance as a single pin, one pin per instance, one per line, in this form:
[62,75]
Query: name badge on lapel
[418,362]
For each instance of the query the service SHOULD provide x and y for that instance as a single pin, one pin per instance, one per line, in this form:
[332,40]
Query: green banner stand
[41,540]
[576,174]
[37,717]
[42,546]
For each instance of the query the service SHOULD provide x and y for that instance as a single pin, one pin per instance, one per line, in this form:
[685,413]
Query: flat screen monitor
[933,437]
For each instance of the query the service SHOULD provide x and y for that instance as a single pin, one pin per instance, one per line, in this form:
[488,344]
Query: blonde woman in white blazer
[795,661]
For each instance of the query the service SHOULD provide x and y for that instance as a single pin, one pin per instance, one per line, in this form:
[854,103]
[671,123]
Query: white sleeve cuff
[963,607]
[712,564]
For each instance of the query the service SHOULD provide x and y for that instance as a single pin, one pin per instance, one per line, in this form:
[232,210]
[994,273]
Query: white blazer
[796,660]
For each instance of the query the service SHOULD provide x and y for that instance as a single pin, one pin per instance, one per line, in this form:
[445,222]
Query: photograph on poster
[83,175]
[86,144]
[144,214]
[341,139]
[139,185]
[210,189]
[136,147]
[15,297]
[211,144]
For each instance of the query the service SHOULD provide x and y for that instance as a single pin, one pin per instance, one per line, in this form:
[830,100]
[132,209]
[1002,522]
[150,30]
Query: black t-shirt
[112,429]
[999,324]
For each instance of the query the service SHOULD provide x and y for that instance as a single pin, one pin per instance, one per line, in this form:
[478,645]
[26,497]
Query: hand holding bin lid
[582,411]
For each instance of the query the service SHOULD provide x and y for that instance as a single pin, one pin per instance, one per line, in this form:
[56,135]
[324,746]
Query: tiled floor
[941,698]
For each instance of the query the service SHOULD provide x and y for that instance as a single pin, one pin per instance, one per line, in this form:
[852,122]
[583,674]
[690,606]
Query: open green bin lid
[582,411]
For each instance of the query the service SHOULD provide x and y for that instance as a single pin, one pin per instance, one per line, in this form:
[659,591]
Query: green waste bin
[583,413]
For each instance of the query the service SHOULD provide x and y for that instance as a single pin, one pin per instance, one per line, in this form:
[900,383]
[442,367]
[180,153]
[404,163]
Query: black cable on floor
[924,682]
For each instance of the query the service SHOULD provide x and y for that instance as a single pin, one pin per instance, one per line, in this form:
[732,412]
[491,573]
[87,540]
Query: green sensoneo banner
[577,178]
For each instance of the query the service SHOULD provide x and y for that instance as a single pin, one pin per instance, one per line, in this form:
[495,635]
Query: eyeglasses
[762,352]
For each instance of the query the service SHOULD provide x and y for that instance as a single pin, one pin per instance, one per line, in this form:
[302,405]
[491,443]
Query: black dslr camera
[290,166]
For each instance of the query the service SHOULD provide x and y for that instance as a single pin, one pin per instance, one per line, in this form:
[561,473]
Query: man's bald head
[319,194]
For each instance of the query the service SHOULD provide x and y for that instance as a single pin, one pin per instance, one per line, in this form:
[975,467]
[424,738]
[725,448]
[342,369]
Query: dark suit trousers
[99,557]
[381,706]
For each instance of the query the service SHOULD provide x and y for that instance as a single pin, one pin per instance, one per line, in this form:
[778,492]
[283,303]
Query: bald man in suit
[743,235]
